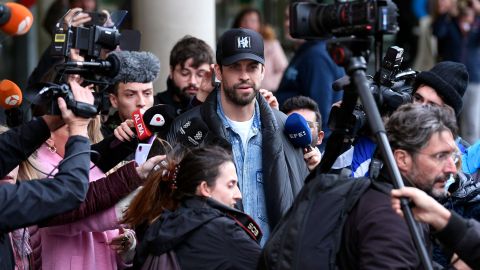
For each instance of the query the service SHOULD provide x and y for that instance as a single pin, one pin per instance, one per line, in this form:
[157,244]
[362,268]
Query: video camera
[361,18]
[89,39]
[390,87]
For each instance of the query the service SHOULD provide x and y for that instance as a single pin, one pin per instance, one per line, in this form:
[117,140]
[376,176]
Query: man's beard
[236,98]
[179,93]
[437,193]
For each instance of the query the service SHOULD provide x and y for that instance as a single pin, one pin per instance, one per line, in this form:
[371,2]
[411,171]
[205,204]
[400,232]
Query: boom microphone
[298,132]
[15,19]
[10,94]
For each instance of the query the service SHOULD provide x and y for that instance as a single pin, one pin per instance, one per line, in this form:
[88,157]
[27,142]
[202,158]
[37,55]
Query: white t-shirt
[242,129]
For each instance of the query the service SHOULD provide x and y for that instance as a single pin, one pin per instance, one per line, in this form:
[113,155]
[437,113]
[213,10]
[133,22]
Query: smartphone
[98,18]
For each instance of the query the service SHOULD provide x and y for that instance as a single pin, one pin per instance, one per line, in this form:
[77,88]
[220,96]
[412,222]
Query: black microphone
[192,133]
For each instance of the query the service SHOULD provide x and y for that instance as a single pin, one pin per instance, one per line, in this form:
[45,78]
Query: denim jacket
[283,167]
[248,162]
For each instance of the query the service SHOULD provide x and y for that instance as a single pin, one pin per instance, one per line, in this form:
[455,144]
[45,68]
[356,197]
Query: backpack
[309,235]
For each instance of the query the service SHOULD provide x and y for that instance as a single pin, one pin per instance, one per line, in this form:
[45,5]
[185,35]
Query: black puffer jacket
[204,235]
[284,169]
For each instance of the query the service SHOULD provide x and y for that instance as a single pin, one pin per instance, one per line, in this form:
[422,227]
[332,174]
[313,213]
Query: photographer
[26,203]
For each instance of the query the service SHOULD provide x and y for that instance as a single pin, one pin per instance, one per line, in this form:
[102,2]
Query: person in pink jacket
[83,244]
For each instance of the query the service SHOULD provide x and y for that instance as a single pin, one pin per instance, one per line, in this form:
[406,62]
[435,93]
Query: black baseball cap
[239,44]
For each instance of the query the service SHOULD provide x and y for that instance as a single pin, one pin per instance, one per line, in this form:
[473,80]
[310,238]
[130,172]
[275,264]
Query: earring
[51,146]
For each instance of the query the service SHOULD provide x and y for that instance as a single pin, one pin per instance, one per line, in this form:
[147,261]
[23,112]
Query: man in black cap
[270,170]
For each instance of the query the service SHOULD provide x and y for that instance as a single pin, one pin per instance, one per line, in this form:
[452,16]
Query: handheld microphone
[192,133]
[15,19]
[156,119]
[298,132]
[10,94]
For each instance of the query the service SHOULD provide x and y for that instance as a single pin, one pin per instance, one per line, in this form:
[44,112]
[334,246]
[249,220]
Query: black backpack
[309,235]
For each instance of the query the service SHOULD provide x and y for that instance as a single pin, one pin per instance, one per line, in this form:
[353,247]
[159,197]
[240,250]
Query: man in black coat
[423,145]
[270,170]
[29,202]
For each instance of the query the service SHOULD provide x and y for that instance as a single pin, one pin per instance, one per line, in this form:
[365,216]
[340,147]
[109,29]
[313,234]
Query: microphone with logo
[155,120]
[10,100]
[298,132]
[15,19]
[192,133]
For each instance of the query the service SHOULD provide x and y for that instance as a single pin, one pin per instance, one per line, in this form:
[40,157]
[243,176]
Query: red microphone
[143,132]
[15,19]
[10,95]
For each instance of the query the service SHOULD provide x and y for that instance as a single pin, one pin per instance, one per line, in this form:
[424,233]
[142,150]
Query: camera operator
[29,202]
[422,141]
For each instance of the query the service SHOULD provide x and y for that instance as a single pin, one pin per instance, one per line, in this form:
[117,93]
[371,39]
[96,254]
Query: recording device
[10,95]
[390,87]
[15,19]
[364,17]
[298,132]
[192,133]
[156,119]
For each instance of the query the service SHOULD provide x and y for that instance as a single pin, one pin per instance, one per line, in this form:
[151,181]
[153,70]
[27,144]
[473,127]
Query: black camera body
[88,40]
[390,88]
[360,18]
[47,100]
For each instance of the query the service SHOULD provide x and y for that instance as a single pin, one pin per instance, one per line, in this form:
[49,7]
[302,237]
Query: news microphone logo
[157,120]
[298,131]
[10,94]
[142,131]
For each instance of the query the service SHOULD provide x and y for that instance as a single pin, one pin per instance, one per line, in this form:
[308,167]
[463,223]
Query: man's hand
[426,209]
[206,86]
[270,98]
[124,131]
[312,157]
[76,125]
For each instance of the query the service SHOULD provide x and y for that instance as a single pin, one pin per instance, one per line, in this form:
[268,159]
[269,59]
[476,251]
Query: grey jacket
[284,168]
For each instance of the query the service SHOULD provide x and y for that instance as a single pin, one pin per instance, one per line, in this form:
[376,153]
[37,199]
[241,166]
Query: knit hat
[240,44]
[449,80]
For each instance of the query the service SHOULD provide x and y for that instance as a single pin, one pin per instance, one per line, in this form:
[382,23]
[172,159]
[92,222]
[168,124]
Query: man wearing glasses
[424,149]
[308,108]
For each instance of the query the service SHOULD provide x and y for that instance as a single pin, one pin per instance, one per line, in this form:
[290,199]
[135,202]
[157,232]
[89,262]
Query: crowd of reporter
[91,202]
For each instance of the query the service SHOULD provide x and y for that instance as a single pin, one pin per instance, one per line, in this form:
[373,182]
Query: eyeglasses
[312,124]
[442,157]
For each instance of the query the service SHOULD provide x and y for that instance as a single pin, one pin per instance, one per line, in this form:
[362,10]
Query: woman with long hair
[186,210]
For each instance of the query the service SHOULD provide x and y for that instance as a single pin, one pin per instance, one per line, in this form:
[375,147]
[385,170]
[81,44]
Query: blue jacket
[311,73]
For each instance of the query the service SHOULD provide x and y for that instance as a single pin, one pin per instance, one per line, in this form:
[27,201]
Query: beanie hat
[240,44]
[449,80]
